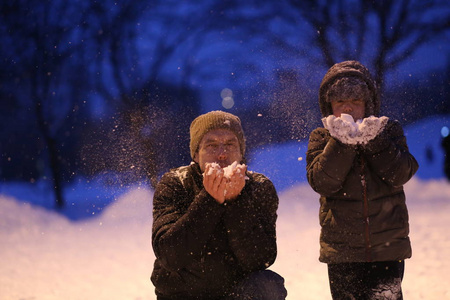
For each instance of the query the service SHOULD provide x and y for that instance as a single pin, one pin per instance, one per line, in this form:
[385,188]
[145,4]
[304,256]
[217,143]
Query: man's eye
[232,147]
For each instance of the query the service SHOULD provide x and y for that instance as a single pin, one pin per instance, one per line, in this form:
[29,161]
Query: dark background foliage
[93,87]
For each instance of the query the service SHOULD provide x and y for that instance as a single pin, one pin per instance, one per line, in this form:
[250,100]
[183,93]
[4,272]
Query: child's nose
[347,108]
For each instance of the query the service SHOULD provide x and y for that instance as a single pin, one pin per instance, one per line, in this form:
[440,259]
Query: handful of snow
[345,129]
[228,170]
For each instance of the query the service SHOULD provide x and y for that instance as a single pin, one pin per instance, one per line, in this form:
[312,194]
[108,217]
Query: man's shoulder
[257,177]
[261,185]
[180,174]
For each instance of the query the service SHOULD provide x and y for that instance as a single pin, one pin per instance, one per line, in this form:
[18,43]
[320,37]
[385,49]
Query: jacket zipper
[366,213]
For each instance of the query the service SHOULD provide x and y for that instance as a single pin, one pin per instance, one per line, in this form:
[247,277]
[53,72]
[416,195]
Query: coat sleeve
[328,161]
[250,223]
[179,234]
[389,157]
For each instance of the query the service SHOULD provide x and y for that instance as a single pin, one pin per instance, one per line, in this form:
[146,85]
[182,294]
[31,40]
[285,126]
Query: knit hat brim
[215,120]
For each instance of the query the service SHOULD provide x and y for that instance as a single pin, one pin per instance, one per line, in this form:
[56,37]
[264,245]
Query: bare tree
[138,43]
[383,33]
[41,36]
[125,49]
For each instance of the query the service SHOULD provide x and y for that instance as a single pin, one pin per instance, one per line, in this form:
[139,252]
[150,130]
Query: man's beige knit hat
[215,120]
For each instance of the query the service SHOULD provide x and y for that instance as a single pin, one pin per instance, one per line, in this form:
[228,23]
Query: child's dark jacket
[362,204]
[363,213]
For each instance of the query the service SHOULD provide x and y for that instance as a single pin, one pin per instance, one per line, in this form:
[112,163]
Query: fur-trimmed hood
[349,68]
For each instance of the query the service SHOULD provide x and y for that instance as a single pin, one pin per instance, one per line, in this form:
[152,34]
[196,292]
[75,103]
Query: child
[358,164]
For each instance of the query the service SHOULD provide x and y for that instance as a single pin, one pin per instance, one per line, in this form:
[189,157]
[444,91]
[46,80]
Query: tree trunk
[52,149]
[55,169]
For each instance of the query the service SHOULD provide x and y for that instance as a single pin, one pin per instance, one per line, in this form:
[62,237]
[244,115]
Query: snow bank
[47,256]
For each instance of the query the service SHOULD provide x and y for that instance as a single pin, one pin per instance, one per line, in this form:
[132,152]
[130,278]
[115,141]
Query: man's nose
[222,153]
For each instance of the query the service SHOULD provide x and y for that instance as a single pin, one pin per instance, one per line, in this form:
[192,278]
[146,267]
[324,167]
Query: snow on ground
[44,255]
[99,246]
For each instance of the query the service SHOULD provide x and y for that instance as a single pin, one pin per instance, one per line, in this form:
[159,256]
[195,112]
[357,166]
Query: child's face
[354,107]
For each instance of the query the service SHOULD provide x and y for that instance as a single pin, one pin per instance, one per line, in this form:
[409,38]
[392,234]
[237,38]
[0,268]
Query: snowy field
[99,246]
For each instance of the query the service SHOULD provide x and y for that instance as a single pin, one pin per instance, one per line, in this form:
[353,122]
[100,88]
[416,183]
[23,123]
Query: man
[214,222]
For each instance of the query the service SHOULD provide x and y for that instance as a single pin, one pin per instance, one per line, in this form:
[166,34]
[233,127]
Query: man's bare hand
[215,182]
[224,184]
[235,182]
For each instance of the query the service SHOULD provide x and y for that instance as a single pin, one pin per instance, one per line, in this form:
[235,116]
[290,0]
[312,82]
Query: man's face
[354,107]
[220,146]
